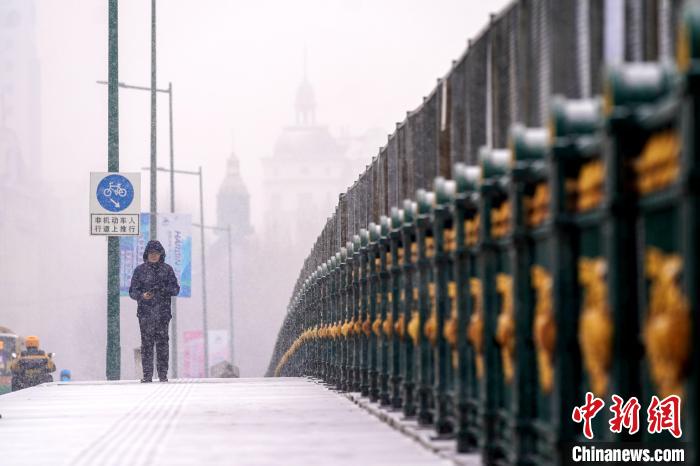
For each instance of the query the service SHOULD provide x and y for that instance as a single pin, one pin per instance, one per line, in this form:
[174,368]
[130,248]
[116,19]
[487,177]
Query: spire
[305,104]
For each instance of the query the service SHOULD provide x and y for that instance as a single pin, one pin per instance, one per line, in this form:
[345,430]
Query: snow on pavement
[284,421]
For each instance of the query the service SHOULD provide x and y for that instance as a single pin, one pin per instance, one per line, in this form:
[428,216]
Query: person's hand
[147,295]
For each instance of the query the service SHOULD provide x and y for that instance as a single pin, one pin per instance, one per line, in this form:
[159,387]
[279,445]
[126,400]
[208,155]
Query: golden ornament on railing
[430,329]
[400,327]
[377,326]
[429,247]
[544,329]
[388,325]
[589,185]
[449,332]
[367,326]
[659,164]
[500,220]
[450,241]
[475,330]
[595,332]
[505,330]
[414,327]
[537,206]
[667,330]
[344,328]
[357,326]
[471,231]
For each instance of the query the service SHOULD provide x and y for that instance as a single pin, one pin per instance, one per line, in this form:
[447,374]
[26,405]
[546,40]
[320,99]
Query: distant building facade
[302,178]
[20,154]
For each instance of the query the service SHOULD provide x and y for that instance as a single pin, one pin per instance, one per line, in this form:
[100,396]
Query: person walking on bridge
[152,286]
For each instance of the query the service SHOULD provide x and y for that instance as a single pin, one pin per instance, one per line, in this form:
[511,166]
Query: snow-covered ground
[284,421]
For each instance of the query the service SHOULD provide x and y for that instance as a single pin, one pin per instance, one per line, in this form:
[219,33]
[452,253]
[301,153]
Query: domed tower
[233,201]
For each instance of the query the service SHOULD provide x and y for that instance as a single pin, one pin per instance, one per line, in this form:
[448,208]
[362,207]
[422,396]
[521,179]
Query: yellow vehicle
[10,346]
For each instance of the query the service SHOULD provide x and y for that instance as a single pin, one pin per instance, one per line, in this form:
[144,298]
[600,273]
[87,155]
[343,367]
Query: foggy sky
[235,68]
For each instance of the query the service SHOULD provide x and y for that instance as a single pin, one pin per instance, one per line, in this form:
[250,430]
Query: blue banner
[174,232]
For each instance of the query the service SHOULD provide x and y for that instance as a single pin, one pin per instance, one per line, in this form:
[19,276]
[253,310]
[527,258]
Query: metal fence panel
[476,62]
[457,97]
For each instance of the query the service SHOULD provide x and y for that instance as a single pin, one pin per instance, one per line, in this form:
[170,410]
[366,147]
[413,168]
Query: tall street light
[230,283]
[154,159]
[205,324]
[113,357]
[168,91]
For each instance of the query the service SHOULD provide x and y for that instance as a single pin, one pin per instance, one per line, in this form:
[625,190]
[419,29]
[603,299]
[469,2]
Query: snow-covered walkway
[210,422]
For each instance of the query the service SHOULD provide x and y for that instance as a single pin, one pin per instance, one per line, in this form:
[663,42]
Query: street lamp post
[205,324]
[154,159]
[230,283]
[168,91]
[113,362]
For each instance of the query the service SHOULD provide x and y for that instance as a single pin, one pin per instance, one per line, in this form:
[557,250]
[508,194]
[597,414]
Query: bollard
[468,397]
[497,300]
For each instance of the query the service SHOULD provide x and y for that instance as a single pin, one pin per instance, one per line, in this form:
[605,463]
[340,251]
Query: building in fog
[21,192]
[302,179]
[20,98]
[233,201]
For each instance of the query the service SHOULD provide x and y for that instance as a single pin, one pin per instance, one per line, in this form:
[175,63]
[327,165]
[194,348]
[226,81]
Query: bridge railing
[487,297]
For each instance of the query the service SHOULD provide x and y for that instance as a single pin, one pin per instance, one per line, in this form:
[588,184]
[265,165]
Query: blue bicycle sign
[115,193]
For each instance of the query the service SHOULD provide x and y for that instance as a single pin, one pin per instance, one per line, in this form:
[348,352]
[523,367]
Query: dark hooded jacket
[157,278]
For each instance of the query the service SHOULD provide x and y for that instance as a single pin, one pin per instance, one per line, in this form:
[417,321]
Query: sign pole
[113,363]
[154,161]
[205,325]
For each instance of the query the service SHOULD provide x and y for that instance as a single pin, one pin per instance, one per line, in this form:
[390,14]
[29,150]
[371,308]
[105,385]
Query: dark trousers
[154,331]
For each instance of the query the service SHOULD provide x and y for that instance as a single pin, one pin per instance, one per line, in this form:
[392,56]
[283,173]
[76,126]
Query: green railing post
[407,303]
[497,298]
[372,259]
[385,331]
[689,65]
[356,385]
[532,291]
[426,370]
[395,325]
[365,325]
[469,319]
[443,282]
[347,316]
[576,185]
[336,320]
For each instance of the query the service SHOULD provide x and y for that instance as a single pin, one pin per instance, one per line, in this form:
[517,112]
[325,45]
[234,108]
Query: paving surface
[285,421]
